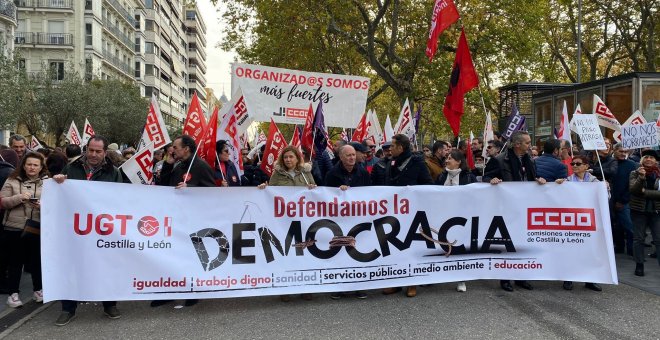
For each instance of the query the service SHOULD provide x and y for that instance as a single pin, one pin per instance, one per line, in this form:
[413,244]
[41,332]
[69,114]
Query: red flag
[208,147]
[469,155]
[463,79]
[307,140]
[295,140]
[444,14]
[195,122]
[360,130]
[274,145]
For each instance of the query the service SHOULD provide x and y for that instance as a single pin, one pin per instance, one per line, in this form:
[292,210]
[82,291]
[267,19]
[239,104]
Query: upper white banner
[284,95]
[109,241]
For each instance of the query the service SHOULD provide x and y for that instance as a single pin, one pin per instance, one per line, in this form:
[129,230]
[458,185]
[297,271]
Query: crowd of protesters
[632,178]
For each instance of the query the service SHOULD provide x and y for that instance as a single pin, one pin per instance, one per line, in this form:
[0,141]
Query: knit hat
[113,147]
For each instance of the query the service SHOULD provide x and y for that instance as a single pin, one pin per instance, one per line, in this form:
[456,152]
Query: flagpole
[217,161]
[601,165]
[185,178]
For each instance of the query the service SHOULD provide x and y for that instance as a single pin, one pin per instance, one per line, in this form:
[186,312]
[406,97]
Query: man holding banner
[513,165]
[93,166]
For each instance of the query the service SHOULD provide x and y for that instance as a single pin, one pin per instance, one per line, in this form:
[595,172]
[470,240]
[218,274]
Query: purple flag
[320,132]
[417,116]
[515,122]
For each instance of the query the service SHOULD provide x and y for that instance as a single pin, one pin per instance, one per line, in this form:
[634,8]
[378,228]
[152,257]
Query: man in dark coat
[378,171]
[175,170]
[405,169]
[178,172]
[620,202]
[93,166]
[345,174]
[513,165]
[548,164]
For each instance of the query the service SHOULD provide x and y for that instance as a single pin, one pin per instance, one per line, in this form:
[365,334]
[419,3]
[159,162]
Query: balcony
[123,38]
[199,51]
[117,63]
[8,10]
[47,4]
[53,39]
[122,11]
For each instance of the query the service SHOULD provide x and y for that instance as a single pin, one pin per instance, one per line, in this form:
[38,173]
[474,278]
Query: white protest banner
[139,168]
[284,95]
[639,136]
[587,128]
[634,119]
[112,241]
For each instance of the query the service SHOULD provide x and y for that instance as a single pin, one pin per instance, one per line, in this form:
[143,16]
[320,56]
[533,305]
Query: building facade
[7,28]
[141,41]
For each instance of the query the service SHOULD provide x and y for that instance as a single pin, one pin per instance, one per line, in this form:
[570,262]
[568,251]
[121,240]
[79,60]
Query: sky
[218,62]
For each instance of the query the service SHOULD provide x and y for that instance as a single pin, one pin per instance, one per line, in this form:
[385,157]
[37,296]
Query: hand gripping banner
[120,242]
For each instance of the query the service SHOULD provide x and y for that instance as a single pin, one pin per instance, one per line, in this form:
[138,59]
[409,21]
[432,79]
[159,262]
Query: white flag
[139,168]
[72,135]
[388,131]
[405,125]
[374,131]
[155,129]
[88,132]
[34,144]
[635,119]
[488,134]
[578,111]
[605,116]
[229,132]
[243,117]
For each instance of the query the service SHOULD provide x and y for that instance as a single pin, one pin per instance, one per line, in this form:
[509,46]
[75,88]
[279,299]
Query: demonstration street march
[288,240]
[498,160]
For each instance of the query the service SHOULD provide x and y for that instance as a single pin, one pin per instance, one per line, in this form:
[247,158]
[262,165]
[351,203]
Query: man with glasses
[370,157]
[513,165]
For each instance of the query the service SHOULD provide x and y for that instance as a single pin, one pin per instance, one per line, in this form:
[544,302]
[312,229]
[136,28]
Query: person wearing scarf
[456,173]
[579,166]
[645,206]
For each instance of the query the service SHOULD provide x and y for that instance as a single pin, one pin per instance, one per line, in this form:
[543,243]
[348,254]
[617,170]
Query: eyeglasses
[576,163]
[372,146]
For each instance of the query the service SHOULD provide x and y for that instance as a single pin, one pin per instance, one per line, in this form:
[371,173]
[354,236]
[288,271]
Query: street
[484,311]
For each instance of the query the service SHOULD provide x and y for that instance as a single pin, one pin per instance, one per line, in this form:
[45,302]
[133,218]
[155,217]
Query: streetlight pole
[579,44]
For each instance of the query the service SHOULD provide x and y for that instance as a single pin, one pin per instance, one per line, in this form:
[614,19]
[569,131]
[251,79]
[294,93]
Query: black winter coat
[201,174]
[464,178]
[338,176]
[408,169]
[105,173]
[507,167]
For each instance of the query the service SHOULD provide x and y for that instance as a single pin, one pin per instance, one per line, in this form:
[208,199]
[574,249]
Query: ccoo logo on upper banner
[569,219]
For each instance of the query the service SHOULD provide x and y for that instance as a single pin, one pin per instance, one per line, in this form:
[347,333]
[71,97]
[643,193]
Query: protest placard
[638,136]
[589,132]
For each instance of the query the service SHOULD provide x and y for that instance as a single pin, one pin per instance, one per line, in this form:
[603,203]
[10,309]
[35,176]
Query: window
[137,45]
[21,64]
[56,32]
[149,3]
[650,100]
[88,5]
[149,47]
[137,21]
[57,69]
[148,69]
[137,69]
[149,25]
[57,3]
[88,34]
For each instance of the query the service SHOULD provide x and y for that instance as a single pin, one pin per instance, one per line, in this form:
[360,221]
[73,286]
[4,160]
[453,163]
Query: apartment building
[7,24]
[196,52]
[7,27]
[144,41]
